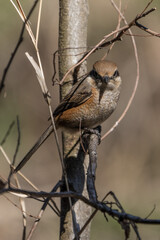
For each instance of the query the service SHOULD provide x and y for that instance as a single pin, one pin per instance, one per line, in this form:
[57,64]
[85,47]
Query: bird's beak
[106,79]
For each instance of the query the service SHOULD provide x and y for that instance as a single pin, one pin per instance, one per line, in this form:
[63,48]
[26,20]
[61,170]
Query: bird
[89,103]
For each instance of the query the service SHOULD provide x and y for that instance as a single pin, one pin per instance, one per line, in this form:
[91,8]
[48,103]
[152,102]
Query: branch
[7,133]
[2,83]
[90,140]
[137,71]
[37,220]
[101,206]
[104,43]
[18,141]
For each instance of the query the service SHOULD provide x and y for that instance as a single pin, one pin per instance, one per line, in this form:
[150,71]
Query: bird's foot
[96,130]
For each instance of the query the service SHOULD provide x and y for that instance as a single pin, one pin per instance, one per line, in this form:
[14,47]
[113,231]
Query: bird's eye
[95,75]
[116,74]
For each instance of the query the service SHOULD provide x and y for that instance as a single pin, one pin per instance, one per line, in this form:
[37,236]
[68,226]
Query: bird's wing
[80,92]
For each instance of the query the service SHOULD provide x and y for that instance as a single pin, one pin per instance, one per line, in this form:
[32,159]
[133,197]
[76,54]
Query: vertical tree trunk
[72,36]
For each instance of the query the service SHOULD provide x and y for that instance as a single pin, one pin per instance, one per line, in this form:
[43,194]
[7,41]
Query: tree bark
[73,18]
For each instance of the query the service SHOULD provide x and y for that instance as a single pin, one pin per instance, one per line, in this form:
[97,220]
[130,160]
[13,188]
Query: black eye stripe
[95,75]
[116,73]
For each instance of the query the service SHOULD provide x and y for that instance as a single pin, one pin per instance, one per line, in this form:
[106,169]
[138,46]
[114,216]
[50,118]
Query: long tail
[42,138]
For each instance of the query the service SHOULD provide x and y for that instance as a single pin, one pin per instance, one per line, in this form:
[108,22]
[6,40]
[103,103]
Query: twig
[147,6]
[119,205]
[24,19]
[40,75]
[18,141]
[38,22]
[152,33]
[90,218]
[137,77]
[24,177]
[99,44]
[154,207]
[7,133]
[9,162]
[104,43]
[86,223]
[16,152]
[2,83]
[41,79]
[19,208]
[54,66]
[97,205]
[41,212]
[118,26]
[23,209]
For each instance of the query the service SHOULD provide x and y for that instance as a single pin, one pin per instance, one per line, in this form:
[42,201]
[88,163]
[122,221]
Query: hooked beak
[106,79]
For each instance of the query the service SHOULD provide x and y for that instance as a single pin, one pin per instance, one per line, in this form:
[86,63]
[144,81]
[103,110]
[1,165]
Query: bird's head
[106,72]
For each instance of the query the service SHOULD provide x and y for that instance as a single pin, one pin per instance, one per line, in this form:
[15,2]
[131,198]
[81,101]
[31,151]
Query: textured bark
[73,35]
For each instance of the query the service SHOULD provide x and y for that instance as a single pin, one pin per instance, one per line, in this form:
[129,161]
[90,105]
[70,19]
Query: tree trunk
[72,37]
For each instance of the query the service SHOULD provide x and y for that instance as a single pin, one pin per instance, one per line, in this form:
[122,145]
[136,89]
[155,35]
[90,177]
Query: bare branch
[18,141]
[105,43]
[7,133]
[137,76]
[42,211]
[23,209]
[2,83]
[101,206]
[152,33]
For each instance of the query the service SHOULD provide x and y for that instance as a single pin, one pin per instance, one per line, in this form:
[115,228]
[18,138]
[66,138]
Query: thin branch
[118,26]
[41,212]
[152,33]
[9,162]
[23,209]
[16,152]
[19,208]
[25,178]
[104,43]
[97,205]
[54,67]
[99,44]
[86,223]
[137,75]
[18,141]
[7,133]
[119,205]
[154,207]
[2,83]
[147,6]
[41,78]
[24,19]
[90,218]
[38,22]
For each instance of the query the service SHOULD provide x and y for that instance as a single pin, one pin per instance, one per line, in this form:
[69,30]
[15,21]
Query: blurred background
[128,159]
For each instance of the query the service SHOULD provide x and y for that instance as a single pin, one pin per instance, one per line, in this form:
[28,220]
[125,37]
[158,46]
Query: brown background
[128,161]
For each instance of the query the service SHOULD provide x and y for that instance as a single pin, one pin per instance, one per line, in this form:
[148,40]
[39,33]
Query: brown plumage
[89,103]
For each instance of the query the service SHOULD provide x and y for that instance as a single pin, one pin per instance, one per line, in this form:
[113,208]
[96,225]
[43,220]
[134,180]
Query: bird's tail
[42,138]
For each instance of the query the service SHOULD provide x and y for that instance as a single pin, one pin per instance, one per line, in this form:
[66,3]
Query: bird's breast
[91,113]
